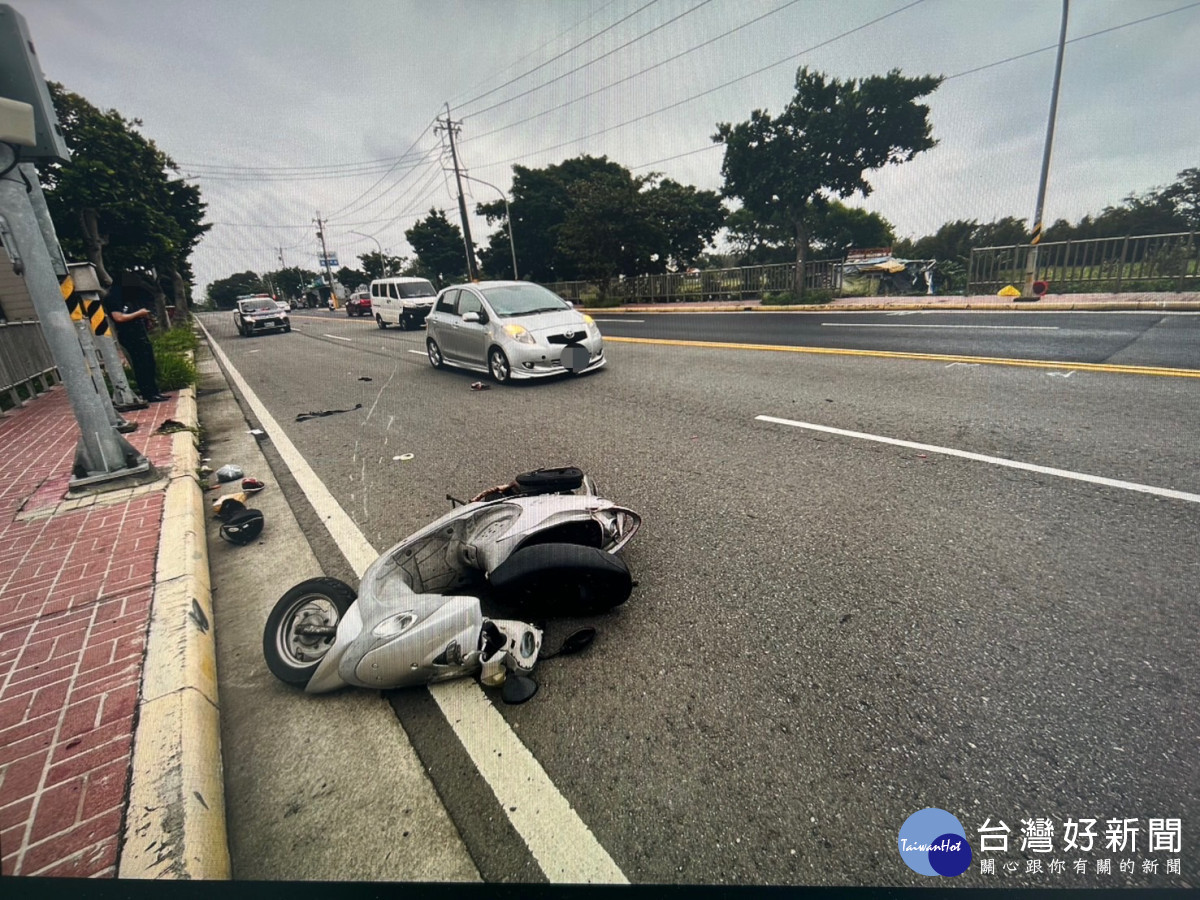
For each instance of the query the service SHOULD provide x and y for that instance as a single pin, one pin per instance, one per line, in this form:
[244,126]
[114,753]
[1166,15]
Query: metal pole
[379,246]
[1031,262]
[507,218]
[89,342]
[102,454]
[325,259]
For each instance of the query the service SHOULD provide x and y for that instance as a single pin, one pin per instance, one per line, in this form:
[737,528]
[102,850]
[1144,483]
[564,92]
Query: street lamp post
[507,218]
[379,246]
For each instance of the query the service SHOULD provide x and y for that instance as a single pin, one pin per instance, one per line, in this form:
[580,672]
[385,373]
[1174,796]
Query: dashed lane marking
[994,460]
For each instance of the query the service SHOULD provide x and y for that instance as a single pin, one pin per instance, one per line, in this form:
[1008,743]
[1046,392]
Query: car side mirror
[471,317]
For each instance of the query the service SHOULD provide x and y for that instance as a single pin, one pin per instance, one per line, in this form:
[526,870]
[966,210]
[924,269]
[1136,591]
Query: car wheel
[498,365]
[435,353]
[379,321]
[287,328]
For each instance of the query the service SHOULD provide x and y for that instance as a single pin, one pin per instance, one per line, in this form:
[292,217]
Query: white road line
[994,460]
[622,321]
[564,847]
[336,338]
[905,325]
[418,352]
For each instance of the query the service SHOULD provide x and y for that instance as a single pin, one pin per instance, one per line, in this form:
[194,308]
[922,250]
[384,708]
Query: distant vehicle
[257,314]
[359,304]
[284,305]
[511,329]
[405,301]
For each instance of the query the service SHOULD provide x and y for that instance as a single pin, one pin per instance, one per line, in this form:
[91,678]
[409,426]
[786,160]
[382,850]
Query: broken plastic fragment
[405,457]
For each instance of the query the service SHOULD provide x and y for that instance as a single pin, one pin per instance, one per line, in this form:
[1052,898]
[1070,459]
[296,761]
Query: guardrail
[1149,262]
[744,283]
[26,365]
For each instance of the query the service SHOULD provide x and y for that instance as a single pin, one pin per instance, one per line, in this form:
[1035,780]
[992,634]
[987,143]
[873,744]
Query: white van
[401,301]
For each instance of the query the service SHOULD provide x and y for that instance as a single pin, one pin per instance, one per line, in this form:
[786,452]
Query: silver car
[511,329]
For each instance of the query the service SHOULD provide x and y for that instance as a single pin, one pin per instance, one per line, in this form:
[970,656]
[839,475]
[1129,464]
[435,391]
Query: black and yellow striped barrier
[84,305]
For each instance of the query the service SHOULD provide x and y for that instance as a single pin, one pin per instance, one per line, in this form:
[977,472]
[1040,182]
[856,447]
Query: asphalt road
[830,632]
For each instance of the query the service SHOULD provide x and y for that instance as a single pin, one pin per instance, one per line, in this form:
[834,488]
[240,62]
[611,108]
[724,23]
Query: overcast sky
[283,108]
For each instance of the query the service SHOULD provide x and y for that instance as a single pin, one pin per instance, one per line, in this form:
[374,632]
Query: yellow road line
[928,357]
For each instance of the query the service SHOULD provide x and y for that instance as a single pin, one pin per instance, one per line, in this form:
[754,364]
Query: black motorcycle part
[561,580]
[546,481]
[277,644]
[517,689]
[574,642]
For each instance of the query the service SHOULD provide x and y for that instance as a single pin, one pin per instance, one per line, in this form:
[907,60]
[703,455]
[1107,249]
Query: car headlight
[592,327]
[519,333]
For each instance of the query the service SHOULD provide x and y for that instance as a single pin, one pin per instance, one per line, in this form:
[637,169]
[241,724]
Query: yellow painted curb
[175,820]
[928,357]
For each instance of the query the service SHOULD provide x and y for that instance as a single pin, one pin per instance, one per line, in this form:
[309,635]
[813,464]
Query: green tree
[224,292]
[1184,195]
[843,228]
[441,253]
[822,144]
[686,220]
[116,203]
[351,278]
[290,281]
[539,200]
[600,236]
[380,265]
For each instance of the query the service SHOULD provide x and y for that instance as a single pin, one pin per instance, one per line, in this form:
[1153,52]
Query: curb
[175,818]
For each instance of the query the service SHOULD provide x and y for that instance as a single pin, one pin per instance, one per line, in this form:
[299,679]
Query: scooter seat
[550,481]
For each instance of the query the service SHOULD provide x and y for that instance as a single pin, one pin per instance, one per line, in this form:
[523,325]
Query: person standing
[124,305]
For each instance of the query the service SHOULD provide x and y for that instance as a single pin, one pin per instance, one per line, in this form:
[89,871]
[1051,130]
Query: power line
[424,131]
[637,74]
[559,55]
[990,65]
[1083,37]
[246,176]
[590,62]
[268,170]
[712,90]
[454,101]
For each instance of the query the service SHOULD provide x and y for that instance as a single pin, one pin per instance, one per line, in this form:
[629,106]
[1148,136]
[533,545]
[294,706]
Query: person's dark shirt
[125,300]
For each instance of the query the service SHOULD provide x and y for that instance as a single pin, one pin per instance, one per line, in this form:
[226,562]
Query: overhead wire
[417,140]
[558,55]
[590,62]
[971,71]
[711,90]
[634,75]
[455,99]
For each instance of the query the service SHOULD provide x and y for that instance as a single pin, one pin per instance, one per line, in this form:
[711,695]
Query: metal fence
[26,365]
[1152,262]
[746,283]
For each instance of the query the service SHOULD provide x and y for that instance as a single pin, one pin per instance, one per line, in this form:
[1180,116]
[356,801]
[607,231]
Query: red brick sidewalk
[73,621]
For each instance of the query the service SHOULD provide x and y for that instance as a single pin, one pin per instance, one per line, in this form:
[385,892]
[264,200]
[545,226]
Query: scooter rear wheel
[292,657]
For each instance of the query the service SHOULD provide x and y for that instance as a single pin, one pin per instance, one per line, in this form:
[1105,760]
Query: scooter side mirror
[518,688]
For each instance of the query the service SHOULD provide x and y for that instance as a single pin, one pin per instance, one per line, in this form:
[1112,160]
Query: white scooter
[542,545]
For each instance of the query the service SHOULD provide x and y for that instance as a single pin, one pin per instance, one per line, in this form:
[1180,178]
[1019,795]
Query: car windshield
[417,289]
[257,305]
[523,300]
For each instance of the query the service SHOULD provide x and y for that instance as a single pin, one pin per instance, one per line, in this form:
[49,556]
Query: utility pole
[325,258]
[1031,261]
[452,128]
[507,218]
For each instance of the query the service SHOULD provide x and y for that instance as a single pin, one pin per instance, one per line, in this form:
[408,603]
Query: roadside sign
[330,260]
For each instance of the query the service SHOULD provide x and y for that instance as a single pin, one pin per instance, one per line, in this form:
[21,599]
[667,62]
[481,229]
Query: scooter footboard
[560,580]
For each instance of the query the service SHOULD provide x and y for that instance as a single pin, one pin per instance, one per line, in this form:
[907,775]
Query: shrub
[812,297]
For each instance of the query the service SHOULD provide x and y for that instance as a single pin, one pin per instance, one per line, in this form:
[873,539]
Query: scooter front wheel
[292,655]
